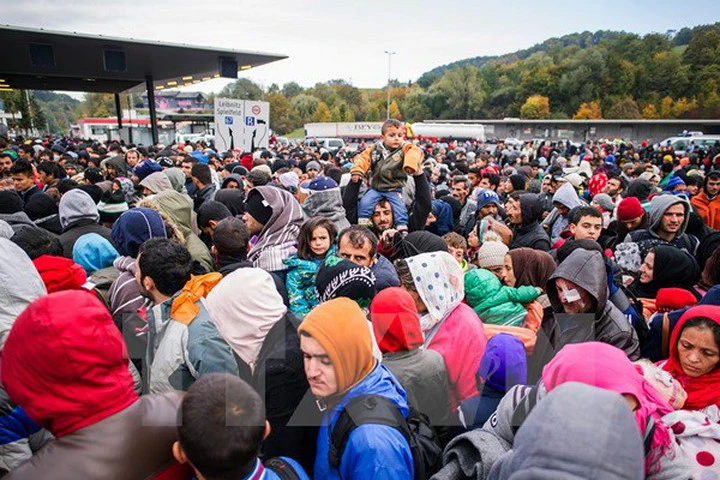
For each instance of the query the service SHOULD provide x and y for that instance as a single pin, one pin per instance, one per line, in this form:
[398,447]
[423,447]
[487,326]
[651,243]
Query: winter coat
[530,233]
[385,274]
[300,284]
[708,209]
[79,228]
[467,215]
[204,195]
[180,353]
[327,204]
[134,443]
[179,209]
[387,167]
[648,238]
[157,182]
[495,303]
[461,341]
[586,269]
[18,221]
[567,196]
[423,376]
[372,451]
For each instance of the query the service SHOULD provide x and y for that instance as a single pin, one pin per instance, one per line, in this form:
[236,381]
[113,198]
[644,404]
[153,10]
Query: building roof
[38,59]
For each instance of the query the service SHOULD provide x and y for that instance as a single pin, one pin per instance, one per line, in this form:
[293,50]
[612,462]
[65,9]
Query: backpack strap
[282,468]
[665,339]
[362,410]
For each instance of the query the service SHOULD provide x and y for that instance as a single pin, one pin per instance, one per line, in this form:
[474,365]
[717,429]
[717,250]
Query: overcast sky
[329,39]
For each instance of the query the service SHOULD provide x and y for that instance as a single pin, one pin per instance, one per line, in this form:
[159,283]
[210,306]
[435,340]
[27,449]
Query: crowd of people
[415,309]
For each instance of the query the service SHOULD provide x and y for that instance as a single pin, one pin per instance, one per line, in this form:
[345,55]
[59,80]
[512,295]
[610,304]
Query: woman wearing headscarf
[421,372]
[695,362]
[695,356]
[250,315]
[452,328]
[664,266]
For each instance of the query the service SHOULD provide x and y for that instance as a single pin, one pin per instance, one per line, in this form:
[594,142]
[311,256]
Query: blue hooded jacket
[444,215]
[134,227]
[372,451]
[503,366]
[93,253]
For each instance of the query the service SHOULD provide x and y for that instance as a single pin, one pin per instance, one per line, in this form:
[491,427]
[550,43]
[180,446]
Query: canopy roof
[37,59]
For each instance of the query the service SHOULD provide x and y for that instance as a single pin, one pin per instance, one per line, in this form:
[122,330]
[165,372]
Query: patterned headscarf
[128,189]
[438,279]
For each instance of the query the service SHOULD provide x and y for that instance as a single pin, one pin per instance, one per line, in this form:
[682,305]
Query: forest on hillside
[585,75]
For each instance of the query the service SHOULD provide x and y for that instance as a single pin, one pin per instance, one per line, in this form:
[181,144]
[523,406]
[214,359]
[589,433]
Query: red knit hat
[395,321]
[629,209]
[669,299]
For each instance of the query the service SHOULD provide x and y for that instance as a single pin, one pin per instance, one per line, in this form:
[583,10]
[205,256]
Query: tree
[292,89]
[395,111]
[97,105]
[322,113]
[282,114]
[682,106]
[305,106]
[589,111]
[650,112]
[666,108]
[625,107]
[462,91]
[373,114]
[243,88]
[536,107]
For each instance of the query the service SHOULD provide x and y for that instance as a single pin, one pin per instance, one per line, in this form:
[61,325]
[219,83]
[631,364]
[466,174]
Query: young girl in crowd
[316,241]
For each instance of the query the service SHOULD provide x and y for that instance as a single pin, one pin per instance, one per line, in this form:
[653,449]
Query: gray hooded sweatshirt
[585,269]
[157,182]
[79,215]
[586,432]
[648,238]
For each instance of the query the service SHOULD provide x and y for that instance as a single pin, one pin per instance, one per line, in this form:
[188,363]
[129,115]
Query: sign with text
[243,124]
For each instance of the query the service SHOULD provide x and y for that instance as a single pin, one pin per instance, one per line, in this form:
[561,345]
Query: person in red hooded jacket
[68,368]
[421,372]
[59,273]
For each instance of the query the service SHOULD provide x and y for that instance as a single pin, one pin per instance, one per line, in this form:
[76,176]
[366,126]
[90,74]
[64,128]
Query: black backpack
[281,468]
[416,429]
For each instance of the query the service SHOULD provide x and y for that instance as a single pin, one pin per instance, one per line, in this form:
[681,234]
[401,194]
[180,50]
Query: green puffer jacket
[495,303]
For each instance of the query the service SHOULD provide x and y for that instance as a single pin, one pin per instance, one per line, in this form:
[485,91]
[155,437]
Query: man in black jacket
[524,212]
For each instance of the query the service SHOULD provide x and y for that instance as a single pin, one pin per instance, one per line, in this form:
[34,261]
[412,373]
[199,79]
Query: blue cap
[486,197]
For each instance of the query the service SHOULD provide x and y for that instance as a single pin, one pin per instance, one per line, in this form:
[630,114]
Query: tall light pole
[389,54]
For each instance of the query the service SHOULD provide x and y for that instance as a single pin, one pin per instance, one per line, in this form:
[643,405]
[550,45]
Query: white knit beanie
[492,254]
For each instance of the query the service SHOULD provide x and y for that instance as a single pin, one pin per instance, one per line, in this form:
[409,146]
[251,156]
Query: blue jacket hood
[385,274]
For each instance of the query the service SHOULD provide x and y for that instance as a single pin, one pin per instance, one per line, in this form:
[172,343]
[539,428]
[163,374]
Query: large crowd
[413,309]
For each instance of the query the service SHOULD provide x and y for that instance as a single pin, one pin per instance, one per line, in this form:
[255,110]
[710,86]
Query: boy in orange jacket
[389,162]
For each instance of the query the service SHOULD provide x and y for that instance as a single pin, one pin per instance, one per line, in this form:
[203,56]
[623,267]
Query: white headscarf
[439,281]
[244,306]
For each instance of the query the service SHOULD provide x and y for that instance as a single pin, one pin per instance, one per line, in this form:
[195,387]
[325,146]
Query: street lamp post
[389,54]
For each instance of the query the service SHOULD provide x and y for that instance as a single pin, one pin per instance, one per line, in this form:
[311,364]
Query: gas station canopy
[37,59]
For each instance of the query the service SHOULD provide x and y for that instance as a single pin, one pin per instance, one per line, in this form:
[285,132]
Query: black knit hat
[343,278]
[10,202]
[257,207]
